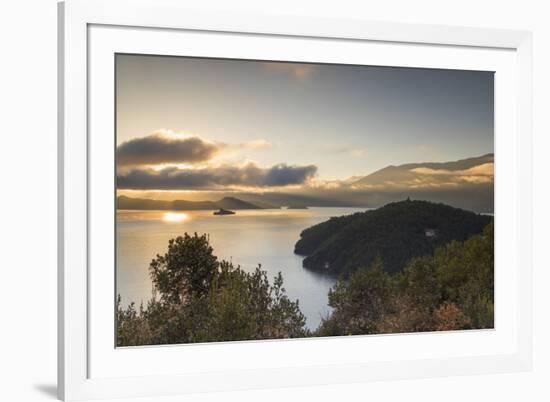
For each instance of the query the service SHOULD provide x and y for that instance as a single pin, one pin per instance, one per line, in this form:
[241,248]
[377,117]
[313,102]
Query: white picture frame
[90,367]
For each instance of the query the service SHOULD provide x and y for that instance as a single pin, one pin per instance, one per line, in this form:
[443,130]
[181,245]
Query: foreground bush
[200,299]
[451,290]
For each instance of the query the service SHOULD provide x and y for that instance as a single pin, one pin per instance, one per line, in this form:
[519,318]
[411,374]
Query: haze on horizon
[217,125]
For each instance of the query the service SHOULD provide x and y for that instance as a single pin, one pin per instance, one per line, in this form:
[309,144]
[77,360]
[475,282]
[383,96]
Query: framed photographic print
[252,201]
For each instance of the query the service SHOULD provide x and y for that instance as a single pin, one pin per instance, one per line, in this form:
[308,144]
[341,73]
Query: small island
[224,212]
[297,207]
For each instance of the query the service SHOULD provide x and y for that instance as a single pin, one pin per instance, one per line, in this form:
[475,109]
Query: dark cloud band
[157,149]
[249,175]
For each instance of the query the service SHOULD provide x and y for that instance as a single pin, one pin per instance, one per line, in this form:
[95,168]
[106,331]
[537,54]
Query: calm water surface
[247,238]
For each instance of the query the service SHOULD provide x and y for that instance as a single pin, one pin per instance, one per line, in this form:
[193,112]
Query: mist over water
[248,238]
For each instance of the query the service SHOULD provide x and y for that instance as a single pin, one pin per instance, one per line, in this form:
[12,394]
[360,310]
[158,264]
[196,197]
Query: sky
[207,124]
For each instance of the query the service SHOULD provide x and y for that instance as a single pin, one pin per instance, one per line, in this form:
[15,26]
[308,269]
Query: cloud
[259,144]
[401,177]
[486,169]
[159,148]
[249,175]
[294,70]
[479,174]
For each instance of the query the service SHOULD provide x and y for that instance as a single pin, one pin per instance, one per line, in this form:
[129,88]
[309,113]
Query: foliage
[453,289]
[466,273]
[448,316]
[201,299]
[360,303]
[395,232]
[186,270]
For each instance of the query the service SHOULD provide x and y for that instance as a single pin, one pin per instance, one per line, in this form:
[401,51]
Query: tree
[201,299]
[448,317]
[360,302]
[186,270]
[132,326]
[417,294]
[466,273]
[451,289]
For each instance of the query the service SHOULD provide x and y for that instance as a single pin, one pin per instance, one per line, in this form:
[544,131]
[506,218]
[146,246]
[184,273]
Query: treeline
[452,289]
[200,299]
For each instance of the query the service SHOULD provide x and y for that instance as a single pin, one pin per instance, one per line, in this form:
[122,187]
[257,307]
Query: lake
[248,238]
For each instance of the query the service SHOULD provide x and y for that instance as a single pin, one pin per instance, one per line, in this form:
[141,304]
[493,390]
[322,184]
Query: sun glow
[179,135]
[175,217]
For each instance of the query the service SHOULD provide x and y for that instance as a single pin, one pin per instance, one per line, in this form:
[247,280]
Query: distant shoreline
[125,203]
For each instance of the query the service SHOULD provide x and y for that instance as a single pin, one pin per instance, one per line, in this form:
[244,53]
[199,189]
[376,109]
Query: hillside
[235,203]
[124,202]
[395,232]
[466,183]
[432,172]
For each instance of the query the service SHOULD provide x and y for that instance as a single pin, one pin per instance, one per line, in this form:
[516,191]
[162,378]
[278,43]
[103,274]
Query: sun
[175,217]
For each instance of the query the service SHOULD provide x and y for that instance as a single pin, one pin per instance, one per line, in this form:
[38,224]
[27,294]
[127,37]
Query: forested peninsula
[395,232]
